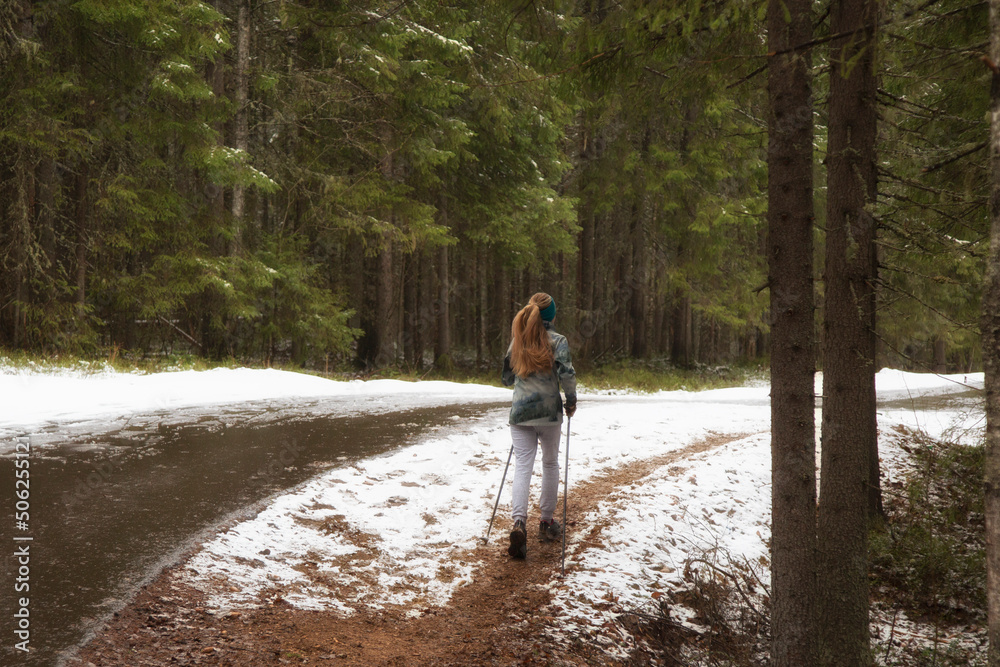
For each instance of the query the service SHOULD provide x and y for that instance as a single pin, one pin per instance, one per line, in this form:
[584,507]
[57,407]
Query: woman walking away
[537,364]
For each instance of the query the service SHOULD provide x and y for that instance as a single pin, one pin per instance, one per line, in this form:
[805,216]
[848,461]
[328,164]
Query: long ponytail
[530,349]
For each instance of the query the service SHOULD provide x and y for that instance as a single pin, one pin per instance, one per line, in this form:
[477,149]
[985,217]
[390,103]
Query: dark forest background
[386,183]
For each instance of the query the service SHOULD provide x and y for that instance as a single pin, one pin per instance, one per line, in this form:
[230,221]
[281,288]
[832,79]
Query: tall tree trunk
[425,291]
[790,269]
[640,279]
[501,320]
[940,355]
[216,76]
[682,327]
[384,343]
[659,319]
[442,344]
[588,322]
[241,133]
[45,210]
[82,234]
[385,331]
[483,301]
[849,418]
[411,308]
[361,288]
[991,357]
[15,223]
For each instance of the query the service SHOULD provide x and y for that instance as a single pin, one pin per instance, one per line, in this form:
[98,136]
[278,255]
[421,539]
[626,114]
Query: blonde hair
[530,350]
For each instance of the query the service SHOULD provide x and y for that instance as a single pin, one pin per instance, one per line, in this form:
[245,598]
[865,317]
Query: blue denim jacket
[536,398]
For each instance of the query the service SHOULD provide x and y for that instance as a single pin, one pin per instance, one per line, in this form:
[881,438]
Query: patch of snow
[33,397]
[399,529]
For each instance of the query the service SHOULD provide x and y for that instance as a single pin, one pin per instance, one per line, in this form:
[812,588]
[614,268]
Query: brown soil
[498,619]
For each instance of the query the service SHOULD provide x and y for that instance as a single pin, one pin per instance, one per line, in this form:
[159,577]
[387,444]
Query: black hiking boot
[549,531]
[518,541]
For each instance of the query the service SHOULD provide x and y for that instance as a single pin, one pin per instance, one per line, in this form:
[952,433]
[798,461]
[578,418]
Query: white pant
[525,440]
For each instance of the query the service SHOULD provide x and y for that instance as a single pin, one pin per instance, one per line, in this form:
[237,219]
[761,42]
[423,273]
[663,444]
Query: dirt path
[498,619]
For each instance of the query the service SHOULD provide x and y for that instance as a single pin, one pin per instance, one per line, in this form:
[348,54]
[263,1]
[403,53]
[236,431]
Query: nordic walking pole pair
[503,479]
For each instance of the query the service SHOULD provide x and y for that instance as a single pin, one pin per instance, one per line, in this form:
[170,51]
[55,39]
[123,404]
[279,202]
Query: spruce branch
[937,311]
[955,158]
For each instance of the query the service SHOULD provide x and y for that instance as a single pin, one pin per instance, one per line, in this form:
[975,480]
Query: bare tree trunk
[683,332]
[588,322]
[849,417]
[216,76]
[483,300]
[501,320]
[790,270]
[425,292]
[659,321]
[45,209]
[385,301]
[640,279]
[367,296]
[16,225]
[82,234]
[991,358]
[240,124]
[442,345]
[940,355]
[411,308]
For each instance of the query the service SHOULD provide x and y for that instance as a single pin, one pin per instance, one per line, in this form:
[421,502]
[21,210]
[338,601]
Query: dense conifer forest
[385,183]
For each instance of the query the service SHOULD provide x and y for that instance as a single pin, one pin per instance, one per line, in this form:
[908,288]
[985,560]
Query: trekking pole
[486,539]
[565,494]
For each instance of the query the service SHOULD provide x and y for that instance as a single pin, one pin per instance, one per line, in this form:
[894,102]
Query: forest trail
[500,618]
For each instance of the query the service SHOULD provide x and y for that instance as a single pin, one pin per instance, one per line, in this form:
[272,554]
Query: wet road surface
[109,511]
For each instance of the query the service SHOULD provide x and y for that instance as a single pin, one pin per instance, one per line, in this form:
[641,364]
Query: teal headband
[548,313]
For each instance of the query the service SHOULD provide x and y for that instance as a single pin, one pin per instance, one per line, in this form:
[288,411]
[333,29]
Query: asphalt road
[109,510]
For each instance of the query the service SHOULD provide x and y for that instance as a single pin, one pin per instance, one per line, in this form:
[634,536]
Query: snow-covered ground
[33,398]
[399,529]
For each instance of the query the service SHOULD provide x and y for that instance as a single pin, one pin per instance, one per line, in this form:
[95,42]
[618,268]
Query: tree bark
[241,133]
[588,323]
[790,268]
[501,320]
[483,301]
[385,331]
[82,233]
[640,280]
[991,359]
[849,418]
[425,323]
[16,226]
[411,309]
[940,355]
[216,76]
[45,209]
[442,344]
[683,332]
